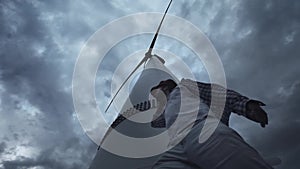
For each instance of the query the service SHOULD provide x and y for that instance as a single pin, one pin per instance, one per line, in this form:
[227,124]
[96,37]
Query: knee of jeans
[222,129]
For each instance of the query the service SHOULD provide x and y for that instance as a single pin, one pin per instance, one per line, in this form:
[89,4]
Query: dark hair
[170,83]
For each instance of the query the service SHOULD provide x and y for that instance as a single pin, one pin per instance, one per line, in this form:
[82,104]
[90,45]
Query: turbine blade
[158,29]
[142,61]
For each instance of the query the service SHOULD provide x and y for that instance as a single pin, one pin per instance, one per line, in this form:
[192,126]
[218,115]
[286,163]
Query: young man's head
[165,86]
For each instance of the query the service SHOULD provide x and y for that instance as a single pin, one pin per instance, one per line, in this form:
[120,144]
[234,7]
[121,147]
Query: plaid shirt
[234,101]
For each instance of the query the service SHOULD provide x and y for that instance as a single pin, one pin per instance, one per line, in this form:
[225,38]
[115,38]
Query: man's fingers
[256,113]
[264,119]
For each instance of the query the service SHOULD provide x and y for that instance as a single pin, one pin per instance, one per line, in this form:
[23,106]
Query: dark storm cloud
[258,42]
[46,163]
[28,74]
[266,52]
[38,48]
[49,158]
[2,147]
[283,139]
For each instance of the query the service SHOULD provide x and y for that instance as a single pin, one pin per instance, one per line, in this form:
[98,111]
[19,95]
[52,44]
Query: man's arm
[235,102]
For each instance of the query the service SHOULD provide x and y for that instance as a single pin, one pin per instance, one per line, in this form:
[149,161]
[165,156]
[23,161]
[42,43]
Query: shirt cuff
[243,106]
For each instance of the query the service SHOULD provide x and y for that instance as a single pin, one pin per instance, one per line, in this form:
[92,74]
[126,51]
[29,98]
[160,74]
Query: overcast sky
[258,43]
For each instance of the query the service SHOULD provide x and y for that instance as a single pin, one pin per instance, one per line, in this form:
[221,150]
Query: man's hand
[256,113]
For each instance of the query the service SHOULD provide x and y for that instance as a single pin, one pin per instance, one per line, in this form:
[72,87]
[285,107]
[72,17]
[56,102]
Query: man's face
[163,86]
[161,93]
[160,97]
[158,93]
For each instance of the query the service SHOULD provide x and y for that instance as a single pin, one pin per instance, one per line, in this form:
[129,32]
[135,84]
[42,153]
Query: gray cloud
[257,41]
[37,107]
[39,41]
[53,157]
[2,147]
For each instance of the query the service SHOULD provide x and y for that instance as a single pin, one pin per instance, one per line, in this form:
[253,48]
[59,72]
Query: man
[183,109]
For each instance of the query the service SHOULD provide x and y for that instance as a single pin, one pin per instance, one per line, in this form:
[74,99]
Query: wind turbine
[148,55]
[138,101]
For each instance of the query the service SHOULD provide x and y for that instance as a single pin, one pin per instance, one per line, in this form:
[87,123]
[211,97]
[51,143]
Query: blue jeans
[225,149]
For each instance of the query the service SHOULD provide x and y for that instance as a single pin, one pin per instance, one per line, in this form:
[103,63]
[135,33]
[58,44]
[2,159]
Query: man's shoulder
[193,83]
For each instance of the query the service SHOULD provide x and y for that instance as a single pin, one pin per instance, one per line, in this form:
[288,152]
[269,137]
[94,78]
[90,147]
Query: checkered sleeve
[238,102]
[235,102]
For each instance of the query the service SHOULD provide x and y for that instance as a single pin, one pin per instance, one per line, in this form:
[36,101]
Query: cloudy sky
[258,43]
